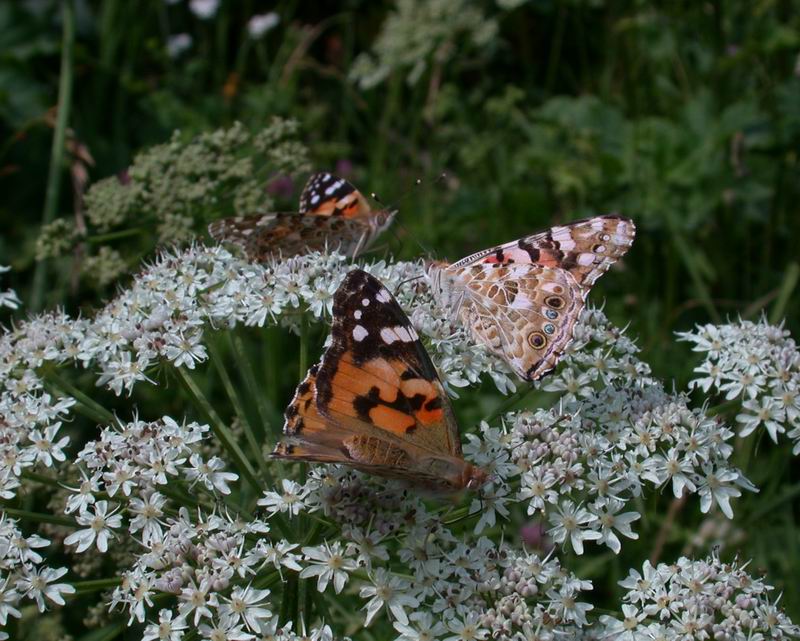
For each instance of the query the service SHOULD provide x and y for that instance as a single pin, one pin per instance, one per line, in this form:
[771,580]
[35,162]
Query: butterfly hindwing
[523,313]
[281,235]
[523,299]
[333,215]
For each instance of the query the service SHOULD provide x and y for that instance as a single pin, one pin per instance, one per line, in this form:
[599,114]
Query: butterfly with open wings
[522,299]
[375,401]
[333,215]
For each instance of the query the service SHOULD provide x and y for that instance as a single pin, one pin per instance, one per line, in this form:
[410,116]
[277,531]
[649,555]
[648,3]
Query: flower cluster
[419,34]
[131,462]
[416,567]
[175,189]
[613,431]
[23,575]
[702,599]
[757,364]
[200,555]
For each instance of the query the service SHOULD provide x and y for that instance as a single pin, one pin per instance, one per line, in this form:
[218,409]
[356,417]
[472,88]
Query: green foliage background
[684,116]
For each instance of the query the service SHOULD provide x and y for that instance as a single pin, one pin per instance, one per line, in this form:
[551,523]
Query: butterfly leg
[362,241]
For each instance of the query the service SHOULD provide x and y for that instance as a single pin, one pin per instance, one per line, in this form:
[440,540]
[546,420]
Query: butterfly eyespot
[537,340]
[556,302]
[605,237]
[549,328]
[599,249]
[551,314]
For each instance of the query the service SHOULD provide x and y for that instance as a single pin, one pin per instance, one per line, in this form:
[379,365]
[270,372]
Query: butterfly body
[375,402]
[333,215]
[522,300]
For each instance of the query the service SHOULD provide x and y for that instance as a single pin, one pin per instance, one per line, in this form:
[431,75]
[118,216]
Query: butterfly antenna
[395,207]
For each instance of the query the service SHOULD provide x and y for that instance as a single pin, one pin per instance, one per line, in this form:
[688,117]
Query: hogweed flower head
[757,364]
[203,522]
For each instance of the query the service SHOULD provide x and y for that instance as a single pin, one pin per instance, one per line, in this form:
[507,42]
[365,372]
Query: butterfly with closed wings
[375,401]
[522,299]
[333,215]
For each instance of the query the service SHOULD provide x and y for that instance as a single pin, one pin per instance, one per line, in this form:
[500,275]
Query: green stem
[266,581]
[303,367]
[38,516]
[692,266]
[95,585]
[89,407]
[723,407]
[41,478]
[788,284]
[289,601]
[512,400]
[219,428]
[238,407]
[116,235]
[250,380]
[111,631]
[59,136]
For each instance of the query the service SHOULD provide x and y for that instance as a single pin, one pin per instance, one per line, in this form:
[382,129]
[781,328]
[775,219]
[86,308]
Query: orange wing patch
[379,393]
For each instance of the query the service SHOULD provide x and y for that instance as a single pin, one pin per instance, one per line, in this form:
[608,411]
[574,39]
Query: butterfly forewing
[375,401]
[378,371]
[328,195]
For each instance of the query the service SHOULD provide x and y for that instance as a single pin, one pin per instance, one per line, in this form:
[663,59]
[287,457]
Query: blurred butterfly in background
[375,401]
[333,215]
[522,299]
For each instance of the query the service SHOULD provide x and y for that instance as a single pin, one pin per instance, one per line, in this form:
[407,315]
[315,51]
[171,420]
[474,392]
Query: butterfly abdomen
[371,450]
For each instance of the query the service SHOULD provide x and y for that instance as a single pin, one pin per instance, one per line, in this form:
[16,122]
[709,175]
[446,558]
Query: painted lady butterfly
[375,402]
[522,299]
[333,215]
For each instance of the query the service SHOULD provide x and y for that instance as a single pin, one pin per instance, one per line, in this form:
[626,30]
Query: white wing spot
[383,296]
[365,302]
[314,199]
[403,334]
[357,314]
[388,335]
[360,333]
[330,190]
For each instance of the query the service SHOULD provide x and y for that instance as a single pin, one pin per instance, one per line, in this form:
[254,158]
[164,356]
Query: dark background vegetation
[684,116]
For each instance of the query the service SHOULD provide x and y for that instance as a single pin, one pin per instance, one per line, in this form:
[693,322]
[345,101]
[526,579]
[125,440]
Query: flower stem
[512,400]
[289,601]
[94,585]
[100,239]
[790,278]
[41,478]
[250,380]
[236,401]
[303,367]
[111,631]
[57,150]
[84,404]
[219,428]
[723,407]
[39,516]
